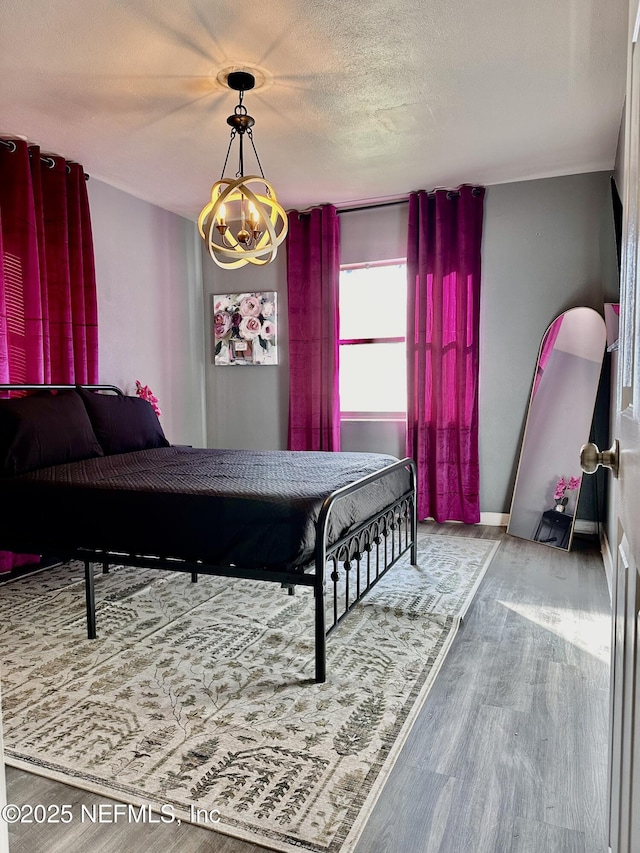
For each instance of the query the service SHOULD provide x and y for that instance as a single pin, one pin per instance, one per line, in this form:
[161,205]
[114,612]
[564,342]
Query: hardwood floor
[508,755]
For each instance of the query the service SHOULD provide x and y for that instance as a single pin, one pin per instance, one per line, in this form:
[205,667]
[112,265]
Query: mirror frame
[598,346]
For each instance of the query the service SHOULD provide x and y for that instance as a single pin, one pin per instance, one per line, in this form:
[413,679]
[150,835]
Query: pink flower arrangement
[145,393]
[562,487]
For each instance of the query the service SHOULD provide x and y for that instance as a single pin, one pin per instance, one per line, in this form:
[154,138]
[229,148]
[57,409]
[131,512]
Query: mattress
[245,508]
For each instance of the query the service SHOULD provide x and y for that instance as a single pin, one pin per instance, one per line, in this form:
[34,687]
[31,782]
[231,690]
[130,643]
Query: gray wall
[150,324]
[247,406]
[542,254]
[547,246]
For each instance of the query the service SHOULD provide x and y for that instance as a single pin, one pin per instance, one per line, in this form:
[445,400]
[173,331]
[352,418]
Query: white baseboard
[494,519]
[491,519]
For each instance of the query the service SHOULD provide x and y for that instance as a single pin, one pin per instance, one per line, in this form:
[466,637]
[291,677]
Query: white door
[624,818]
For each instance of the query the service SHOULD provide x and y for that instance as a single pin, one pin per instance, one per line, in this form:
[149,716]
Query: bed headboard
[47,387]
[40,430]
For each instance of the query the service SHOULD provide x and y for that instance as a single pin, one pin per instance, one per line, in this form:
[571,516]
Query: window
[372,303]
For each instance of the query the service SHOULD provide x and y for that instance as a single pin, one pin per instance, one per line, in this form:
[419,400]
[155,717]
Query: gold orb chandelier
[243,223]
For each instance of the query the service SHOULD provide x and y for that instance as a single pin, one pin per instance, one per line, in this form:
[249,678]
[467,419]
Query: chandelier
[243,223]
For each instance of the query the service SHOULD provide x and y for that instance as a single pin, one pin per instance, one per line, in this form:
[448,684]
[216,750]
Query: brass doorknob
[591,458]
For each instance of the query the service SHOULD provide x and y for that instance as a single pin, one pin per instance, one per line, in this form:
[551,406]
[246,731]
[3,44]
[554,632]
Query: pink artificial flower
[250,306]
[268,329]
[561,485]
[250,328]
[268,309]
[145,393]
[221,324]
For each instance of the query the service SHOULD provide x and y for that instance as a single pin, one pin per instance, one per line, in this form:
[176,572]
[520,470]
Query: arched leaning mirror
[561,405]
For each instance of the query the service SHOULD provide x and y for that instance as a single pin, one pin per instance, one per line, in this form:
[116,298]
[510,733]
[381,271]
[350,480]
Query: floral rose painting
[245,328]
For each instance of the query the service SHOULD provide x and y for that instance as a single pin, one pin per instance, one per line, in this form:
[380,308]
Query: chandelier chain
[240,172]
[250,135]
[231,138]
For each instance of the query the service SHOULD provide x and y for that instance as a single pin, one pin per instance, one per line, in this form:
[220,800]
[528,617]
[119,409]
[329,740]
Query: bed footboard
[344,570]
[357,561]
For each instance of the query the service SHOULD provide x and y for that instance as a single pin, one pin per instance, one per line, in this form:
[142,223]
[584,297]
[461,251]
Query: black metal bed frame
[364,554]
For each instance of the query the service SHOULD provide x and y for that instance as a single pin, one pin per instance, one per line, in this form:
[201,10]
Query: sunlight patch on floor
[590,632]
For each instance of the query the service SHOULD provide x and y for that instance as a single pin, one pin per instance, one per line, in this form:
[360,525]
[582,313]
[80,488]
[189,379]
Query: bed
[88,474]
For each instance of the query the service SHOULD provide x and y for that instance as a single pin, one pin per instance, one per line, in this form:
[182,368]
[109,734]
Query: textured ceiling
[361,100]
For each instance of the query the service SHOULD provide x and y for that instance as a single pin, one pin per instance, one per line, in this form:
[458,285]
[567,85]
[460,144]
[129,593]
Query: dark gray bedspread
[249,508]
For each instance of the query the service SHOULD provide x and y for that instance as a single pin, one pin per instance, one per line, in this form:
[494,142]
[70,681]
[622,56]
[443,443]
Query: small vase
[559,507]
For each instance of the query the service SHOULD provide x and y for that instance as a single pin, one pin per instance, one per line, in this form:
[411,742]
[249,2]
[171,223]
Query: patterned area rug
[198,699]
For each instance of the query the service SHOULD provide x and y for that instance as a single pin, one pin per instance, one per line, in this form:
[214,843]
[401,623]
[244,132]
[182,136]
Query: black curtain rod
[450,194]
[372,206]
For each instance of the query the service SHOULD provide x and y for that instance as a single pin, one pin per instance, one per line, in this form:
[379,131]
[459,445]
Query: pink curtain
[313,269]
[48,306]
[443,316]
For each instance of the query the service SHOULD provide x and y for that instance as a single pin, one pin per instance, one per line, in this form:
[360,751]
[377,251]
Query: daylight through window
[372,341]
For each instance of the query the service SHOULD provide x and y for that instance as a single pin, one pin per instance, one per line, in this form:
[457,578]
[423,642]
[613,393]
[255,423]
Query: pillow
[123,424]
[44,430]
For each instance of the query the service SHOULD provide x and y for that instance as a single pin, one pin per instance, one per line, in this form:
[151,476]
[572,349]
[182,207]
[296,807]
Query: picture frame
[244,328]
